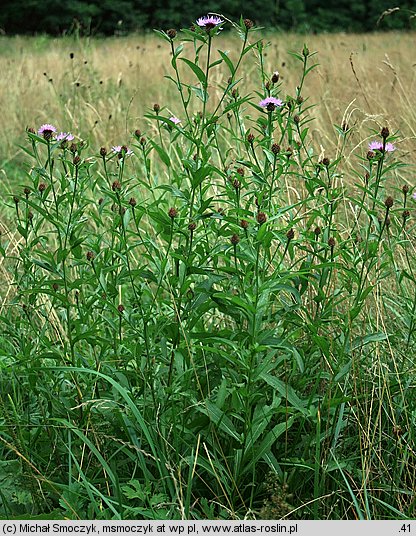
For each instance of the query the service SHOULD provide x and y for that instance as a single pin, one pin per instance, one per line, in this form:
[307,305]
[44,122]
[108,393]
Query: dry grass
[103,92]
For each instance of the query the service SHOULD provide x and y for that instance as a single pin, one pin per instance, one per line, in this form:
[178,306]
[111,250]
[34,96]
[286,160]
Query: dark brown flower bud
[71,55]
[90,256]
[101,201]
[171,33]
[55,287]
[317,231]
[267,85]
[367,177]
[234,93]
[116,186]
[103,152]
[299,99]
[156,108]
[192,226]
[244,224]
[235,239]
[26,191]
[248,24]
[275,148]
[331,242]
[326,162]
[261,218]
[137,133]
[388,203]
[132,202]
[385,133]
[240,171]
[120,308]
[31,130]
[16,200]
[76,160]
[406,214]
[73,148]
[172,213]
[296,119]
[290,235]
[250,138]
[371,155]
[143,140]
[405,189]
[275,77]
[42,187]
[236,184]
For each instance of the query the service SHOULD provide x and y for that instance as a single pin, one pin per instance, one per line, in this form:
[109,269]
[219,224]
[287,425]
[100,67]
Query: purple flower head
[118,149]
[378,146]
[414,195]
[209,22]
[46,131]
[64,136]
[270,103]
[175,120]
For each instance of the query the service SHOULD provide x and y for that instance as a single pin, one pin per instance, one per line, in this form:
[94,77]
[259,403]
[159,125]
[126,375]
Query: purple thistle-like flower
[378,146]
[414,195]
[46,130]
[175,120]
[209,22]
[64,136]
[117,149]
[270,103]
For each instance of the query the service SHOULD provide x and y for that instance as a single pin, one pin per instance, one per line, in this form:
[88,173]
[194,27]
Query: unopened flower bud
[275,77]
[388,203]
[235,239]
[171,33]
[261,218]
[172,213]
[385,133]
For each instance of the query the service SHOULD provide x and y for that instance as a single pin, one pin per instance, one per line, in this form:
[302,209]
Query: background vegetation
[108,17]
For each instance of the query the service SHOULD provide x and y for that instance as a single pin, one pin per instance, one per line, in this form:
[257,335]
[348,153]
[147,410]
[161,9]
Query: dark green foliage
[108,17]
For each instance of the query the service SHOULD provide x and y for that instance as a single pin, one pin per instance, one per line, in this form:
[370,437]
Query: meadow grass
[211,318]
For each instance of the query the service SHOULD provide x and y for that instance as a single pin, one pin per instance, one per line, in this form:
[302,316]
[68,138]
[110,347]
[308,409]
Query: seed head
[248,24]
[275,148]
[250,138]
[172,213]
[261,218]
[90,256]
[235,239]
[116,186]
[385,133]
[275,77]
[290,235]
[171,33]
[388,203]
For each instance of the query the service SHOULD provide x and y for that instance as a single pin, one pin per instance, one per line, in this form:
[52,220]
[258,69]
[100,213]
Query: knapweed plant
[210,320]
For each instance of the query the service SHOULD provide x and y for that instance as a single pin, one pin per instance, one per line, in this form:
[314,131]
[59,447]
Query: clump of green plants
[208,304]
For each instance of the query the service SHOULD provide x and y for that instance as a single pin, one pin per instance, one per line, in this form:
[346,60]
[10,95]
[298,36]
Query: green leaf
[197,70]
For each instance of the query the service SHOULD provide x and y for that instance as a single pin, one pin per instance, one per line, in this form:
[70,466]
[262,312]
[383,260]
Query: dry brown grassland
[103,92]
